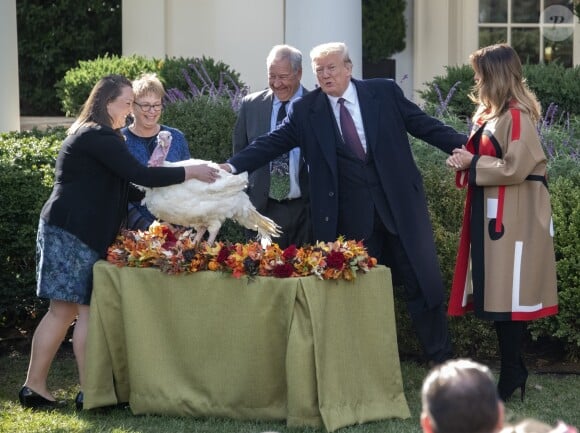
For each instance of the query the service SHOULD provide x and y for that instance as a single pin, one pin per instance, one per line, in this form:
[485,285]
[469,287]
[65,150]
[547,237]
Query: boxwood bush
[552,84]
[185,74]
[26,176]
[77,82]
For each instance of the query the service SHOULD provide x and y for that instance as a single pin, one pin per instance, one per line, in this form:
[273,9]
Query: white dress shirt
[351,103]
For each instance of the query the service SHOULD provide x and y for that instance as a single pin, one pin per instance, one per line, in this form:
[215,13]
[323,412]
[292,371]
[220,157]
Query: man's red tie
[349,134]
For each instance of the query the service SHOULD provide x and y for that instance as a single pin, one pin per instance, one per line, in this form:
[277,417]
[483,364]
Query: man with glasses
[364,183]
[141,138]
[278,189]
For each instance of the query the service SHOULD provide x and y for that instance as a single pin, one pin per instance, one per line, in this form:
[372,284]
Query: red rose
[284,270]
[290,252]
[335,260]
[223,254]
[170,239]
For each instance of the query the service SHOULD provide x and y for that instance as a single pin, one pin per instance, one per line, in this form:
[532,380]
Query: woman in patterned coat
[505,270]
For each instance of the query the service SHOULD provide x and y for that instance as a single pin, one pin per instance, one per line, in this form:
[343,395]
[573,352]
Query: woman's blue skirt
[64,265]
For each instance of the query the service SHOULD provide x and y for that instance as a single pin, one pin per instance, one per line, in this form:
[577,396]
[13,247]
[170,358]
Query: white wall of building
[239,33]
[404,60]
[445,33]
[9,94]
[312,22]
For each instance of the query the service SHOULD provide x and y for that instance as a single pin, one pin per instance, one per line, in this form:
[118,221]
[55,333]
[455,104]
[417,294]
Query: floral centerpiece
[172,250]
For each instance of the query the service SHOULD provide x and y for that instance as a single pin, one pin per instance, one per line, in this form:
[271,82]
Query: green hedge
[52,37]
[77,83]
[26,176]
[204,74]
[207,124]
[552,84]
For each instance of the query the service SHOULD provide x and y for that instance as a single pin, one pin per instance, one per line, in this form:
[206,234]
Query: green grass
[549,397]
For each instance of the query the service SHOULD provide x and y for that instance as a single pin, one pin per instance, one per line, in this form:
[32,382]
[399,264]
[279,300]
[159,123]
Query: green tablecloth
[309,351]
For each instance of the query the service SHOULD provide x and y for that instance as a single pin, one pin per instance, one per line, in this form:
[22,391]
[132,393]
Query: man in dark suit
[260,113]
[364,183]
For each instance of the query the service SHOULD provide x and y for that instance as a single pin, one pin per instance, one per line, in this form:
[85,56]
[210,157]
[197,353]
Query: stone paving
[28,123]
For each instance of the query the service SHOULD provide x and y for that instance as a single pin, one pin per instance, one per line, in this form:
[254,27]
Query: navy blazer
[387,116]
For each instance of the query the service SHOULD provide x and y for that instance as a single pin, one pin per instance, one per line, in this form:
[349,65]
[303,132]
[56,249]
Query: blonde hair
[328,48]
[500,83]
[146,84]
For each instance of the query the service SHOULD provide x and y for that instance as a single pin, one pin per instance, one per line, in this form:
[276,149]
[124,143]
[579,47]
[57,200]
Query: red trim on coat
[516,124]
[455,307]
[544,312]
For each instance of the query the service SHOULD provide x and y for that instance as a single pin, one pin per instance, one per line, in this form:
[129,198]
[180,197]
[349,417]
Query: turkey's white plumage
[205,206]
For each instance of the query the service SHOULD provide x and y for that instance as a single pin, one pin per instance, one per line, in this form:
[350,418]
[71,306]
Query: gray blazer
[254,120]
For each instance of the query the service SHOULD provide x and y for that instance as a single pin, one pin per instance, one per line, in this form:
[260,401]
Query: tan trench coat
[506,267]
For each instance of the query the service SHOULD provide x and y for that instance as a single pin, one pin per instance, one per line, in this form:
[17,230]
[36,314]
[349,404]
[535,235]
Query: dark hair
[461,396]
[94,110]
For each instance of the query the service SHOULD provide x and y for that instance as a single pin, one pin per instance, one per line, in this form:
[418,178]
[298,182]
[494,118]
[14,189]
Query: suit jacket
[254,120]
[387,116]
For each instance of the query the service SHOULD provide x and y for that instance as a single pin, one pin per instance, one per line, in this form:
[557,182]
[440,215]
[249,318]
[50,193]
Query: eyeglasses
[148,107]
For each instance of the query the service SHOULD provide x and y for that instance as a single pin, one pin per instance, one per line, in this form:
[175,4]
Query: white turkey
[205,206]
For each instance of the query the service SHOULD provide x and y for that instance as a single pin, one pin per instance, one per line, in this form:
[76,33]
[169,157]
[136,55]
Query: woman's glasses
[148,107]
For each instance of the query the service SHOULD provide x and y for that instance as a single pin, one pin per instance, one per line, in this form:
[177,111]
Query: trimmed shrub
[384,27]
[207,124]
[555,84]
[552,84]
[73,90]
[185,74]
[448,94]
[26,178]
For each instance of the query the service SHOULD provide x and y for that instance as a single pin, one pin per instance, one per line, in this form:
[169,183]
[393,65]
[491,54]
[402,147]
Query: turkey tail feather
[254,220]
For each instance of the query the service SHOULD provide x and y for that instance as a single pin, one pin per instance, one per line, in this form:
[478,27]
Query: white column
[309,23]
[9,94]
[143,24]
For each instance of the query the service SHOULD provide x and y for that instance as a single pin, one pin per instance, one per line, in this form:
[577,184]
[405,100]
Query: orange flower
[172,250]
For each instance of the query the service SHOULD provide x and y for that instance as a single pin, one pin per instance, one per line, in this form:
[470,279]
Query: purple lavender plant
[444,103]
[233,92]
[557,134]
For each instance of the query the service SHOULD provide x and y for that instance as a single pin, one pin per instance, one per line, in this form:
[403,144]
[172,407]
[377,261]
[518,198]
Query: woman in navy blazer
[379,199]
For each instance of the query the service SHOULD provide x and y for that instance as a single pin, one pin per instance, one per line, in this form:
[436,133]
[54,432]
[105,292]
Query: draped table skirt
[307,351]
